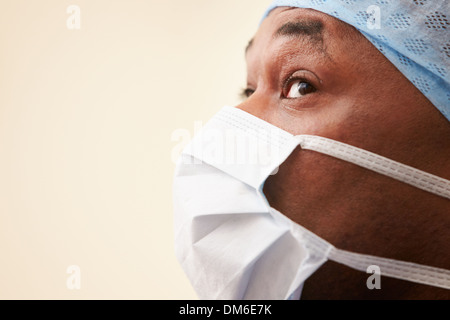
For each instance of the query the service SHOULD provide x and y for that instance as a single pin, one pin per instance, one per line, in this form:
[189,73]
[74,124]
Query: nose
[258,105]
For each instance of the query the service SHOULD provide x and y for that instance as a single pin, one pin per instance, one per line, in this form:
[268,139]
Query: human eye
[247,92]
[299,84]
[297,88]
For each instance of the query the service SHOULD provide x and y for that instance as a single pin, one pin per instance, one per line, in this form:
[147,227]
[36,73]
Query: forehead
[303,24]
[281,15]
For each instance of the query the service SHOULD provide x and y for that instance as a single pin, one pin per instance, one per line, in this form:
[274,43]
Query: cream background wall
[88,122]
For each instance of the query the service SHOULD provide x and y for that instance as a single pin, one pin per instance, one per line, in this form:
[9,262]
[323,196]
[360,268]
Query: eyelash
[247,92]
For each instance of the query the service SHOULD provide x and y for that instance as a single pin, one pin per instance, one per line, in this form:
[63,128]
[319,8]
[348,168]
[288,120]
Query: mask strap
[374,162]
[402,270]
[393,268]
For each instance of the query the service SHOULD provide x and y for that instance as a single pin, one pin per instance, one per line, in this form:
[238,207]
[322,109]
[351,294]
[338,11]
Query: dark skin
[326,79]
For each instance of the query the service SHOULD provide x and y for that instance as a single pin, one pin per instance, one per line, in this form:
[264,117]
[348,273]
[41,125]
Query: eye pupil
[299,88]
[305,88]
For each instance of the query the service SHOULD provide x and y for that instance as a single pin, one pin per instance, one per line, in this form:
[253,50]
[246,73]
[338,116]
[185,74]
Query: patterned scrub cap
[414,35]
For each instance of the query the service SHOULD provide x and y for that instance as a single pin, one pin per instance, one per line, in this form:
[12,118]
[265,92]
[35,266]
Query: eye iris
[305,88]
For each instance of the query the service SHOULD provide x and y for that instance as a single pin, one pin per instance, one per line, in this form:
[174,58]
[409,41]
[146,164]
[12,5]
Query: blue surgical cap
[412,34]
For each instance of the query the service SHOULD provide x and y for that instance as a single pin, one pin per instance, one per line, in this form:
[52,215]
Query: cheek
[306,183]
[303,178]
[332,118]
[280,189]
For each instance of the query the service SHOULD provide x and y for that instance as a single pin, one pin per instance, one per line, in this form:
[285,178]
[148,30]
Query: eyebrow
[298,29]
[310,28]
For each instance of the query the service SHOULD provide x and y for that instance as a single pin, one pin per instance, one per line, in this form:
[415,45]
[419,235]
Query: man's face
[309,73]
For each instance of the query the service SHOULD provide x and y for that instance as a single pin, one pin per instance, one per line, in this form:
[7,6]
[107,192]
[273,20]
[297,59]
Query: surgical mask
[233,245]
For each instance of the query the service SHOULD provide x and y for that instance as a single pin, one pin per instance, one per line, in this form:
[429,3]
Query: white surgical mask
[233,245]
